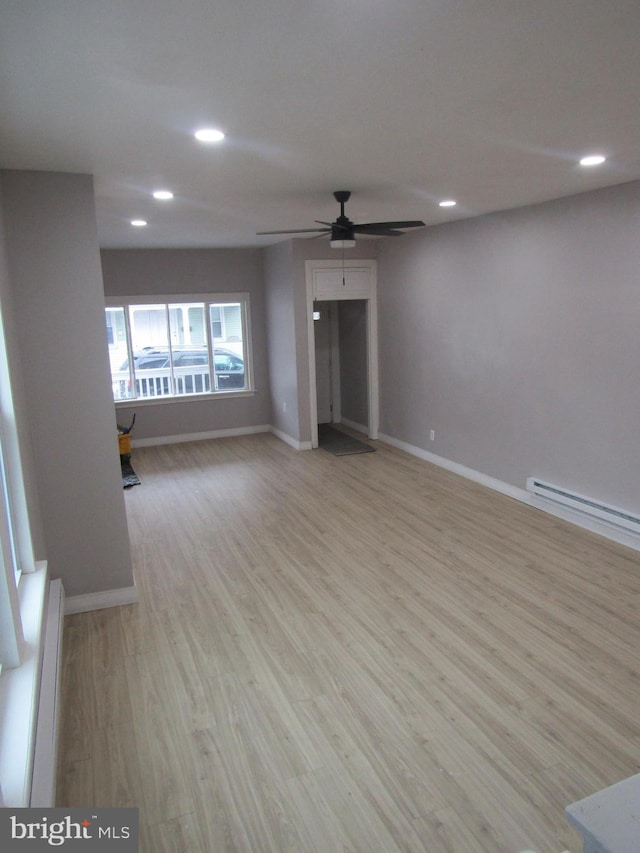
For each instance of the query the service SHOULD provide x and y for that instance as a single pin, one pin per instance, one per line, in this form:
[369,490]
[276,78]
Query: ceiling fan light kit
[342,238]
[343,231]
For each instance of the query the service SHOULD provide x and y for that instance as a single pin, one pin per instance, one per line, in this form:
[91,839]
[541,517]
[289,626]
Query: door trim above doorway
[329,280]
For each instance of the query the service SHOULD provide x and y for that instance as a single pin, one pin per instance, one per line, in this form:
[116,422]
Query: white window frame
[16,549]
[243,298]
[24,586]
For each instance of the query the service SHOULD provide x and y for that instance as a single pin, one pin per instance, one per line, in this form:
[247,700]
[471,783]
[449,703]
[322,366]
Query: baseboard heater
[589,506]
[43,784]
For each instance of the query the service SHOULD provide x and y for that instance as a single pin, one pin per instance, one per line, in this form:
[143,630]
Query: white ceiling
[403,102]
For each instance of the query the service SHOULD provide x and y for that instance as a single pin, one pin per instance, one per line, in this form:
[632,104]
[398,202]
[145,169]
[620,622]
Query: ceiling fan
[343,231]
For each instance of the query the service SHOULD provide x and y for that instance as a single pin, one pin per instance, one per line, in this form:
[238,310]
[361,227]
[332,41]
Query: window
[179,348]
[23,594]
[16,553]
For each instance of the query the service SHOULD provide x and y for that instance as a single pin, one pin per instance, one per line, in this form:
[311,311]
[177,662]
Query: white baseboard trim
[602,528]
[220,433]
[101,600]
[292,442]
[457,468]
[199,436]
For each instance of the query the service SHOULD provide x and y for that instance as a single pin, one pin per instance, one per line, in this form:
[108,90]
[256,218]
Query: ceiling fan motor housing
[343,234]
[339,232]
[343,229]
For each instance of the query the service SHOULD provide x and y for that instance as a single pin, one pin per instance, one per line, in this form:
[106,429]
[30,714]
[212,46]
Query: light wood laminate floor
[364,653]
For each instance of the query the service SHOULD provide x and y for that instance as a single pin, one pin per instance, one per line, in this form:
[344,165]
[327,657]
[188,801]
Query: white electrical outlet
[432,435]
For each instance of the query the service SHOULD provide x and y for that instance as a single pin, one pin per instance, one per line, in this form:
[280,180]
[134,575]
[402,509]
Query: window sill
[182,398]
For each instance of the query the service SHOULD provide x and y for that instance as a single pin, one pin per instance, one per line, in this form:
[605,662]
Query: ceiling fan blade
[296,231]
[409,223]
[338,226]
[377,232]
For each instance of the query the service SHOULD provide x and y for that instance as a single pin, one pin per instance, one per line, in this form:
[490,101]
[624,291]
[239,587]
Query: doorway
[342,383]
[343,362]
[327,347]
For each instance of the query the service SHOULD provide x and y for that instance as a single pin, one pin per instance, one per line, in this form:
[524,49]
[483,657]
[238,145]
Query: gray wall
[286,295]
[139,272]
[515,337]
[281,326]
[53,268]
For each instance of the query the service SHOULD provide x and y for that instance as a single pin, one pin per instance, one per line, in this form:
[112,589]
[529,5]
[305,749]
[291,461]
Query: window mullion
[210,347]
[247,353]
[172,376]
[11,636]
[132,367]
[11,474]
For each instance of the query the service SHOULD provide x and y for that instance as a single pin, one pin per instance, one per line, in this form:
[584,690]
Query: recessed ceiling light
[163,195]
[592,160]
[448,202]
[139,223]
[209,134]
